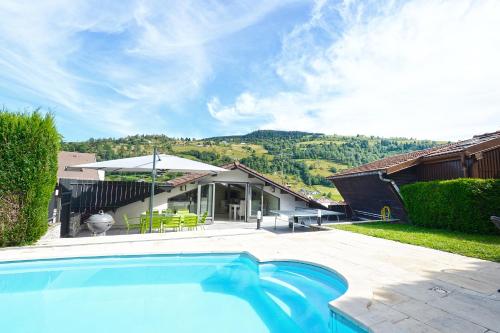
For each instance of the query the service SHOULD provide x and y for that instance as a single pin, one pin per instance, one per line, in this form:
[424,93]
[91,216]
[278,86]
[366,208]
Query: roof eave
[237,165]
[404,165]
[240,166]
[357,174]
[488,145]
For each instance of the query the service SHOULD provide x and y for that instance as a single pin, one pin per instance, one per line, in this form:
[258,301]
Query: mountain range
[300,160]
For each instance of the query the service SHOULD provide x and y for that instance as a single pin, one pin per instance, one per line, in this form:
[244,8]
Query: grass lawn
[485,247]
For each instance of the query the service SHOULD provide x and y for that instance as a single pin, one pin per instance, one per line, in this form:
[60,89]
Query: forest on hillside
[304,158]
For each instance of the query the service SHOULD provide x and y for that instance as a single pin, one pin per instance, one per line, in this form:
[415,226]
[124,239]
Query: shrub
[29,144]
[459,204]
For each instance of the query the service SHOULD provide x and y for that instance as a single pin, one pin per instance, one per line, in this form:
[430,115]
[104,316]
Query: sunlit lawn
[478,246]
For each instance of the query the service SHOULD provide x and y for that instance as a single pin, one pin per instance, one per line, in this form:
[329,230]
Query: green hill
[299,159]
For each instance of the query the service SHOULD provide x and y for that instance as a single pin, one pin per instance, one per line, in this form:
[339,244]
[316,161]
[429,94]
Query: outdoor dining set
[167,220]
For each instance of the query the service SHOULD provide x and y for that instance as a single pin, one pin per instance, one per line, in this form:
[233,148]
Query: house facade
[235,195]
[370,187]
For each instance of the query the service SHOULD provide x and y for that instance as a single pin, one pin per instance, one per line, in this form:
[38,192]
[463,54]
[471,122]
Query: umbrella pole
[151,199]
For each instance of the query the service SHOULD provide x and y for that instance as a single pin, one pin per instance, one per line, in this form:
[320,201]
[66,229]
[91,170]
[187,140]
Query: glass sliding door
[206,202]
[256,194]
[186,200]
[270,203]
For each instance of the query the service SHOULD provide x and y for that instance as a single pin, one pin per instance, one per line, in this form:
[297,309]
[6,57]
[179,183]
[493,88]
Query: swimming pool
[169,293]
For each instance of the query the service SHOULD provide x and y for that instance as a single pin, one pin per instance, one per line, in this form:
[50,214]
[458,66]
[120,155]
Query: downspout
[396,188]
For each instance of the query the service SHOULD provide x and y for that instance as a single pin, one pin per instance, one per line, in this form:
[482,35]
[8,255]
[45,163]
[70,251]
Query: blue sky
[423,68]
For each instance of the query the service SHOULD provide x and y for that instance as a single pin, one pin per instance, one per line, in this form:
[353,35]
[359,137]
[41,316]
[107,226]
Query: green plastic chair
[132,225]
[169,211]
[190,221]
[172,222]
[202,221]
[144,220]
[157,222]
[182,211]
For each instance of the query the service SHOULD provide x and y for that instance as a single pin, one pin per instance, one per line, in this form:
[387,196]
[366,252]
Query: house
[68,158]
[234,195]
[370,187]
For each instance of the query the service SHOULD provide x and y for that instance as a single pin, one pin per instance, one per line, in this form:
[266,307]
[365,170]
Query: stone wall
[74,224]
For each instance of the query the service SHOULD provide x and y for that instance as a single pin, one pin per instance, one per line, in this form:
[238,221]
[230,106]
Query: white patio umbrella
[150,163]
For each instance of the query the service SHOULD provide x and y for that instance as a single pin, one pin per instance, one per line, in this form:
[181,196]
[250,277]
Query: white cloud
[142,55]
[424,68]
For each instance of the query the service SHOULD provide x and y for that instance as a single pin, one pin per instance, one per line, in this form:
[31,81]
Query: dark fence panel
[87,197]
[65,210]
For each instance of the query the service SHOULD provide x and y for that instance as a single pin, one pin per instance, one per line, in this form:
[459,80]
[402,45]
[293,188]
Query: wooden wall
[489,165]
[440,171]
[486,166]
[403,177]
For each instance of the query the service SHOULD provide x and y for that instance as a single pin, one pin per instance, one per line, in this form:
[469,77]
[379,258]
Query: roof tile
[446,149]
[67,158]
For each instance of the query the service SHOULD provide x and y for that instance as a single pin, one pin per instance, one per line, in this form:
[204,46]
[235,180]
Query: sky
[426,69]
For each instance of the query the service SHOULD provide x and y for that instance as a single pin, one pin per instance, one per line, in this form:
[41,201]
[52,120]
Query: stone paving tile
[378,312]
[466,281]
[408,325]
[474,309]
[389,297]
[423,290]
[452,324]
[419,310]
[481,272]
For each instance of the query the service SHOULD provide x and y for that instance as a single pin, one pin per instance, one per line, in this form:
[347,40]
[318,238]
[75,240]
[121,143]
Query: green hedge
[29,144]
[460,204]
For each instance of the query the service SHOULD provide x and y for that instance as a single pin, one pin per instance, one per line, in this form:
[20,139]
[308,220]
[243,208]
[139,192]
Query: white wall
[136,208]
[287,201]
[232,176]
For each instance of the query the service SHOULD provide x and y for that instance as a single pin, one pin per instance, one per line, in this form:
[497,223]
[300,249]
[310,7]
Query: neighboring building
[235,195]
[64,159]
[370,187]
[68,158]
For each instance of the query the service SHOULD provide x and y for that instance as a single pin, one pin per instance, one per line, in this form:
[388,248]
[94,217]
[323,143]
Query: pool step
[308,309]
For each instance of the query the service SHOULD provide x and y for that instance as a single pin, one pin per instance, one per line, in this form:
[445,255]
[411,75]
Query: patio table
[295,216]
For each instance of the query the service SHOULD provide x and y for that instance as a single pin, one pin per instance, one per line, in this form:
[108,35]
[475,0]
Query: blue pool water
[169,293]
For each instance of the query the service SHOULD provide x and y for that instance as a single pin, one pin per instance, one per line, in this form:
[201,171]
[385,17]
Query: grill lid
[101,217]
